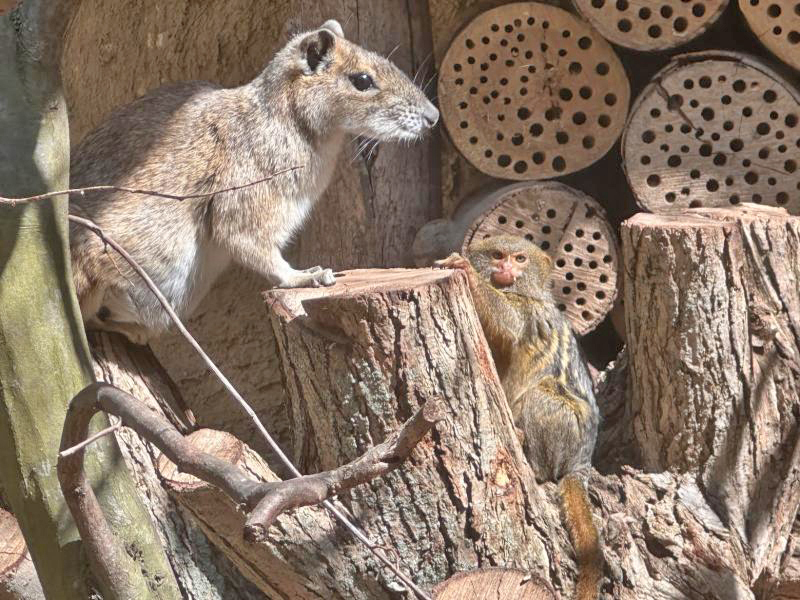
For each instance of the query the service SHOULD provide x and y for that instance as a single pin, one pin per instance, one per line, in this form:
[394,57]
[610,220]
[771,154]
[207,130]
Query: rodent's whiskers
[393,50]
[422,66]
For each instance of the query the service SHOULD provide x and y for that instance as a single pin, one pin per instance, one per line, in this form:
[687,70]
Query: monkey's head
[512,264]
[334,84]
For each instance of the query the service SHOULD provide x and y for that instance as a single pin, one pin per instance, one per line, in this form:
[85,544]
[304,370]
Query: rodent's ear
[547,263]
[316,48]
[334,26]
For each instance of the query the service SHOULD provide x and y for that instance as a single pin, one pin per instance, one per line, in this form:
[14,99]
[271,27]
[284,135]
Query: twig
[89,440]
[339,514]
[264,500]
[115,188]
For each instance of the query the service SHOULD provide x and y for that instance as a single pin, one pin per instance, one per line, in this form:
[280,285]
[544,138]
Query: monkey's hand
[454,261]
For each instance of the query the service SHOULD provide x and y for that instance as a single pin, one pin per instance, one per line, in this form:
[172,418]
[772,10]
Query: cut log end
[777,24]
[489,584]
[714,129]
[651,27]
[501,107]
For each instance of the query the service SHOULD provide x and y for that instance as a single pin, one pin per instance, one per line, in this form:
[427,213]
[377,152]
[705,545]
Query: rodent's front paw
[324,277]
[316,269]
[454,261]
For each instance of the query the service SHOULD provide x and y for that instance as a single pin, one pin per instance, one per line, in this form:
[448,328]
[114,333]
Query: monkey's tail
[585,539]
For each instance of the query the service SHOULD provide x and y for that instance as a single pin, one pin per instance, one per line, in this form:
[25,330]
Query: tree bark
[44,357]
[713,323]
[358,359]
[18,578]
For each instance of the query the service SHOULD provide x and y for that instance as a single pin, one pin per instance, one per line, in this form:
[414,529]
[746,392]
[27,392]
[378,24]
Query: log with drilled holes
[777,24]
[651,25]
[714,129]
[713,325]
[529,91]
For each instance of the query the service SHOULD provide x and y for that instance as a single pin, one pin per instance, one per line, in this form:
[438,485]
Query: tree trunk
[44,358]
[713,339]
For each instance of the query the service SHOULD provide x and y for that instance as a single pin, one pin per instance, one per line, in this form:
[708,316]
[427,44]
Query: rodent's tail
[585,539]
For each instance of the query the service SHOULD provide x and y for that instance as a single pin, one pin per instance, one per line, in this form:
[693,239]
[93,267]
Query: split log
[776,23]
[18,578]
[713,325]
[529,91]
[653,26]
[714,129]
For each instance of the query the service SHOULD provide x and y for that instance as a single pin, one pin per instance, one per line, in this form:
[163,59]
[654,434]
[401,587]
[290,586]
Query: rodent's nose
[430,114]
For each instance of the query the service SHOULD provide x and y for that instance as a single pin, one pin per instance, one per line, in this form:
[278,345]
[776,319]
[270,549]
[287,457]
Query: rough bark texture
[116,51]
[359,358]
[713,328]
[18,578]
[201,571]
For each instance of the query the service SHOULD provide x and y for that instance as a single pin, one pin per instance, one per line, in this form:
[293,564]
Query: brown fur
[195,137]
[544,377]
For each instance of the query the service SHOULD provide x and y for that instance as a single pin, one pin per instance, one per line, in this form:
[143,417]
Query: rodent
[544,377]
[197,137]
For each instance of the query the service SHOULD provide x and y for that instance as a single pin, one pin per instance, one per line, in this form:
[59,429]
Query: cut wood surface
[529,91]
[713,326]
[490,584]
[18,579]
[776,23]
[714,129]
[651,25]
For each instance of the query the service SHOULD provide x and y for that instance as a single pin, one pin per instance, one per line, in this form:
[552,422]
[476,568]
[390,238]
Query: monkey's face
[505,267]
[512,264]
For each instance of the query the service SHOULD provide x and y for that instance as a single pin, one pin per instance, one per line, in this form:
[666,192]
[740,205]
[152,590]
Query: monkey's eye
[521,258]
[361,81]
[497,255]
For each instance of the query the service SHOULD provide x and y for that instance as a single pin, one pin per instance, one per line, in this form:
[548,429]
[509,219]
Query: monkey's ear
[334,27]
[316,50]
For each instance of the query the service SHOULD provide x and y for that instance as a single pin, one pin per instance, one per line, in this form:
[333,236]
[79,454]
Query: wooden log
[358,359]
[528,91]
[652,25]
[202,572]
[714,129]
[18,578]
[713,324]
[564,222]
[491,583]
[776,23]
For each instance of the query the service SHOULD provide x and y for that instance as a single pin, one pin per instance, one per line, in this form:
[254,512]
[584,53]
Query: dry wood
[713,325]
[18,579]
[490,584]
[714,129]
[651,25]
[528,91]
[777,24]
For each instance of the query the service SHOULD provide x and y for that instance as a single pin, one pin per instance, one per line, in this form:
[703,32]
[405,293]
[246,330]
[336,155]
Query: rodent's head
[512,264]
[335,84]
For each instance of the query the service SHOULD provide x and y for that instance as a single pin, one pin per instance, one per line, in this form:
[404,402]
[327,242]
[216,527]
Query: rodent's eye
[521,258]
[361,81]
[497,255]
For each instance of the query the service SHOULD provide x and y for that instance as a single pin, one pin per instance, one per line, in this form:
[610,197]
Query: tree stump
[18,578]
[528,91]
[489,584]
[776,23]
[359,358]
[651,26]
[713,326]
[714,129]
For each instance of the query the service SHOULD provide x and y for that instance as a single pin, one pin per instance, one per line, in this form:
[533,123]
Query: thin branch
[328,504]
[265,500]
[115,188]
[90,440]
